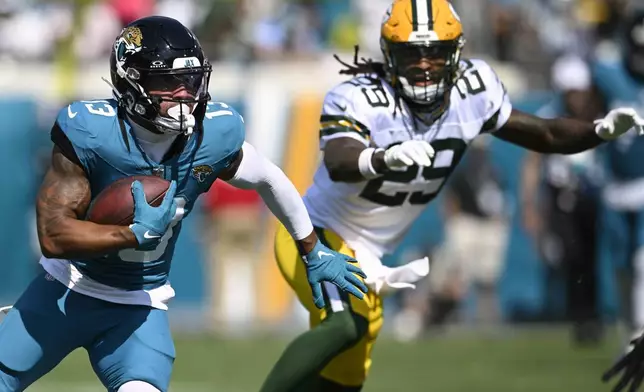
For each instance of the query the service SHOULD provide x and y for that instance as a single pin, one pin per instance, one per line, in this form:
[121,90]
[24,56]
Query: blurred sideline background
[506,330]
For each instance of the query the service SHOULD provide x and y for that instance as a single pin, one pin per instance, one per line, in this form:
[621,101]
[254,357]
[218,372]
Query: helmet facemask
[423,73]
[150,96]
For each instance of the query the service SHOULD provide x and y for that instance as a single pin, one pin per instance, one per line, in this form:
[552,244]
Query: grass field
[527,361]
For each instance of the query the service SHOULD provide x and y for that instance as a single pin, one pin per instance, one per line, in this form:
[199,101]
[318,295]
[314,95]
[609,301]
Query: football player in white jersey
[391,136]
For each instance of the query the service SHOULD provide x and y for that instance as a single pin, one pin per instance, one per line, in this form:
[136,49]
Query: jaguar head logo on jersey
[421,41]
[129,42]
[201,172]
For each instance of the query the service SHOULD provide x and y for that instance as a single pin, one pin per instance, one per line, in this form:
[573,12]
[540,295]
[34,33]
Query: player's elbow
[50,248]
[54,241]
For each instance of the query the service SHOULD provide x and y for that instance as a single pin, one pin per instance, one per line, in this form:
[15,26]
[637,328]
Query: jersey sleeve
[71,134]
[342,116]
[492,101]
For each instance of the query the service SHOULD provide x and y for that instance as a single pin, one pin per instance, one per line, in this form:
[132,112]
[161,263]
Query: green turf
[525,361]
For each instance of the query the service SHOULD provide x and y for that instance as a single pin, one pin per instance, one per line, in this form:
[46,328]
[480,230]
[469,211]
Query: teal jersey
[107,154]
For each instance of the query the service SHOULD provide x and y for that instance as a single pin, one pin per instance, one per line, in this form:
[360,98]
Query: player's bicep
[65,191]
[339,150]
[341,159]
[525,130]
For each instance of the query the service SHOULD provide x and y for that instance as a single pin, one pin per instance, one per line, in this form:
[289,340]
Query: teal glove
[151,223]
[326,265]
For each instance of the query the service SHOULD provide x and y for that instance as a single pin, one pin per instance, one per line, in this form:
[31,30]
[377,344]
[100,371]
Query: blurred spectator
[371,13]
[223,30]
[131,10]
[621,82]
[293,31]
[475,239]
[562,221]
[101,24]
[185,11]
[40,26]
[505,20]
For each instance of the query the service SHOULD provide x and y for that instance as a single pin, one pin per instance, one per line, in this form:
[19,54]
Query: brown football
[115,204]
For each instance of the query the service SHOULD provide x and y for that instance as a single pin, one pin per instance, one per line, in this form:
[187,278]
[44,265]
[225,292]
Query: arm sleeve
[274,187]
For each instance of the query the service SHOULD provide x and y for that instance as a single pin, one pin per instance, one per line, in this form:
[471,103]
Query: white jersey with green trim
[377,213]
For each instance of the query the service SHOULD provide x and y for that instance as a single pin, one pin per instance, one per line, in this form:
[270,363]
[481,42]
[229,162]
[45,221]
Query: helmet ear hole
[140,109]
[128,99]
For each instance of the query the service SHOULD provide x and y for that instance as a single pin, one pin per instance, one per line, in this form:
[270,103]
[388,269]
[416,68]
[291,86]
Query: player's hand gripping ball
[115,204]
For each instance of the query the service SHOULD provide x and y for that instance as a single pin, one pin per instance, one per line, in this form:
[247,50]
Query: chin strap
[183,115]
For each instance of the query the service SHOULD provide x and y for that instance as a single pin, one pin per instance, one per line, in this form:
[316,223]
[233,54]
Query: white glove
[409,153]
[389,280]
[617,122]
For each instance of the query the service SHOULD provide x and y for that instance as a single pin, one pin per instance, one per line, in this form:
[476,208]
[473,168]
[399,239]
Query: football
[115,204]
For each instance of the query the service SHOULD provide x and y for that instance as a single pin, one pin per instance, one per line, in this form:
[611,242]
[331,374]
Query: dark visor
[407,55]
[408,59]
[193,80]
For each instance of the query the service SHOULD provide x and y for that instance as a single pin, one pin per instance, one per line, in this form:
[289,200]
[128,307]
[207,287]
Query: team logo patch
[129,42]
[201,172]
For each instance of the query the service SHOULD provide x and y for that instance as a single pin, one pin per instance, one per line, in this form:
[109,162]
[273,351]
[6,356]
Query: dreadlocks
[362,66]
[366,67]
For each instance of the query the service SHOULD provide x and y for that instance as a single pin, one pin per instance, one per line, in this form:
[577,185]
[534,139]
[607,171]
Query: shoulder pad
[81,122]
[480,87]
[85,117]
[224,132]
[351,109]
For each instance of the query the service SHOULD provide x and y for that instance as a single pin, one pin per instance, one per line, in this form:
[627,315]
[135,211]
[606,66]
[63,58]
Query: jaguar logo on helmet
[201,172]
[129,42]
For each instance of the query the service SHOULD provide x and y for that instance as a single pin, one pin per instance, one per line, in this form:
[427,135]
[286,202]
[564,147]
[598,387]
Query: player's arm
[63,199]
[342,158]
[345,138]
[552,136]
[250,170]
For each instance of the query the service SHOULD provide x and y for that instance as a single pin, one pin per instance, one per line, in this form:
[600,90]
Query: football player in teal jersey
[105,287]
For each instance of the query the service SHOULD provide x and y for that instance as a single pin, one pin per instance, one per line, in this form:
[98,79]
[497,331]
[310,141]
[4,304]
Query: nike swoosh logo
[337,105]
[150,236]
[321,253]
[70,113]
